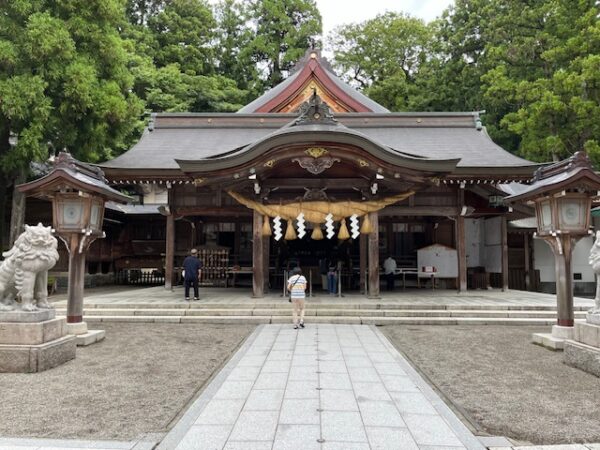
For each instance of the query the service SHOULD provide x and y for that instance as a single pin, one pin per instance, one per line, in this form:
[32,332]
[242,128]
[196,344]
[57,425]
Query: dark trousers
[390,281]
[191,282]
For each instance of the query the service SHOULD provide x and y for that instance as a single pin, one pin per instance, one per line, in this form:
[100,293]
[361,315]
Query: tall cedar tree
[64,84]
[284,29]
[174,66]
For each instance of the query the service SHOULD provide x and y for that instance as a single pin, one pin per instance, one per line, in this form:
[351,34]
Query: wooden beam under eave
[333,183]
[449,211]
[225,211]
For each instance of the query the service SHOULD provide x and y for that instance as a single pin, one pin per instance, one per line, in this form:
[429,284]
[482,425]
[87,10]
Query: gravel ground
[136,381]
[509,386]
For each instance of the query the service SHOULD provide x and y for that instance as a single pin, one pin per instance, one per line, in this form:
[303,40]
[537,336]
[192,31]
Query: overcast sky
[337,12]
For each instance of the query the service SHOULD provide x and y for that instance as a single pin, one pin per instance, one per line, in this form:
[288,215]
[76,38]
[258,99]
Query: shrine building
[314,173]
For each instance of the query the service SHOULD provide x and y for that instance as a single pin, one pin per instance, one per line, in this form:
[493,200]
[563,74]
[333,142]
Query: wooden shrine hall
[314,173]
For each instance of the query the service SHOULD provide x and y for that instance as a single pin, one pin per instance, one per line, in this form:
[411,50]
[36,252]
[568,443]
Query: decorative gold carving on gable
[306,92]
[270,163]
[316,152]
[198,181]
[363,163]
[316,165]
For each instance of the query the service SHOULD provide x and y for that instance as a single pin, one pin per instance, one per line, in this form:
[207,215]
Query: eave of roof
[310,133]
[77,179]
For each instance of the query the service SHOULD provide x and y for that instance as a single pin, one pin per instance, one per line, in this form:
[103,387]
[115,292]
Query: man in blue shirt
[191,267]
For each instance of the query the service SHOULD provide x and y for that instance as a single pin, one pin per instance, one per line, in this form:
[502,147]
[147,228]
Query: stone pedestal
[33,341]
[583,351]
[555,340]
[83,336]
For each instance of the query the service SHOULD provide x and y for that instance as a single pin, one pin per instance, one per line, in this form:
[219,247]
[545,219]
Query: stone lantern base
[34,341]
[555,340]
[583,351]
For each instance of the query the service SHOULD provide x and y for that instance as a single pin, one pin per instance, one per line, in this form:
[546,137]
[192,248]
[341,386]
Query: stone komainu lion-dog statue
[594,261]
[24,271]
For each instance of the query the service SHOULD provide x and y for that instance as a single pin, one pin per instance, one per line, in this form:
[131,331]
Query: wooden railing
[140,277]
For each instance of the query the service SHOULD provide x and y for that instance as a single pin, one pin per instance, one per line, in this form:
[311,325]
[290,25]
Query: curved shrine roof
[200,136]
[422,136]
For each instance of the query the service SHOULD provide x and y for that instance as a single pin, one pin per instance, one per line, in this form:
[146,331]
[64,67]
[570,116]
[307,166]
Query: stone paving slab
[324,387]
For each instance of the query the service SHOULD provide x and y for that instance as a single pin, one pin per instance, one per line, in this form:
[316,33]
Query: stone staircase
[371,313]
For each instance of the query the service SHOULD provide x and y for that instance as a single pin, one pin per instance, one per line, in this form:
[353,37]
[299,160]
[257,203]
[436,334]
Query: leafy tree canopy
[64,81]
[283,30]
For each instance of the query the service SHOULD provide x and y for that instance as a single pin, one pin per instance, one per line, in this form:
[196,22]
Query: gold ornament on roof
[316,152]
[363,163]
[198,181]
[270,163]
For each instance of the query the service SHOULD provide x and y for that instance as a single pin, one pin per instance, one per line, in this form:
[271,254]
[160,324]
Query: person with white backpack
[297,287]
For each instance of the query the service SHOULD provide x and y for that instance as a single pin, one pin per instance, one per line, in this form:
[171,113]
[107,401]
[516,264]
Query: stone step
[283,304]
[326,319]
[249,312]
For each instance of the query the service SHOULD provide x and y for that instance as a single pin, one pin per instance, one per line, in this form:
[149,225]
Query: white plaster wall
[543,260]
[155,194]
[493,245]
[474,242]
[443,258]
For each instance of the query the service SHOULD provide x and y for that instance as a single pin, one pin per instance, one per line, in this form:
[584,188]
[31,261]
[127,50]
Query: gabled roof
[313,73]
[189,136]
[422,136]
[316,123]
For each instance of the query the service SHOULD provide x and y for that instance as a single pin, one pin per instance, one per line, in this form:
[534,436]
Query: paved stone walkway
[324,387]
[159,296]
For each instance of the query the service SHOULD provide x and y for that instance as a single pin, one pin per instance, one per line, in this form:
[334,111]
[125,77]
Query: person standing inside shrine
[297,287]
[389,268]
[192,267]
[332,278]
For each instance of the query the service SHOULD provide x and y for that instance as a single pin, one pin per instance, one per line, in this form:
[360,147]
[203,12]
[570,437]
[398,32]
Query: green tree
[138,11]
[170,89]
[64,84]
[184,31]
[390,45]
[174,62]
[233,38]
[283,30]
[557,110]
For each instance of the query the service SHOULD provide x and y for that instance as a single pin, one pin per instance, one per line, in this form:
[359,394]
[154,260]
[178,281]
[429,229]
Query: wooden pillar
[461,253]
[374,256]
[527,261]
[504,241]
[363,261]
[170,252]
[76,280]
[461,249]
[562,247]
[258,278]
[236,244]
[266,257]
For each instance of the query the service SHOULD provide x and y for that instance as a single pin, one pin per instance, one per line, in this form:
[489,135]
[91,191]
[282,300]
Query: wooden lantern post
[562,195]
[78,193]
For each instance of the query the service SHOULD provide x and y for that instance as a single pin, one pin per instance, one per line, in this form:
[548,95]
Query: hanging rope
[316,211]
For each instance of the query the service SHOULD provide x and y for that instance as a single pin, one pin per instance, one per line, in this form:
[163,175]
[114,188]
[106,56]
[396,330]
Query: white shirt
[297,286]
[389,265]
